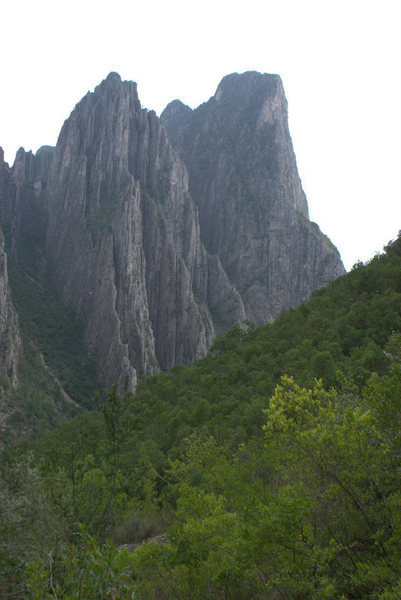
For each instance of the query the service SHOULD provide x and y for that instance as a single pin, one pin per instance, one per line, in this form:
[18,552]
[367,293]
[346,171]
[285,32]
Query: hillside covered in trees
[270,469]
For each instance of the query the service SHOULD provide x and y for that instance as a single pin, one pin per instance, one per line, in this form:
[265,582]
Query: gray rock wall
[123,239]
[252,209]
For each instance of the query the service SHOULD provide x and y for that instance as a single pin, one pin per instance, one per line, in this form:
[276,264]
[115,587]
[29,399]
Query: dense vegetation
[56,377]
[272,465]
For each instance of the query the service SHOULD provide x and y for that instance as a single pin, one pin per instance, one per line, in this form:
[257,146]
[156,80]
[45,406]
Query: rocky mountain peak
[175,112]
[113,84]
[32,167]
[244,179]
[241,86]
[22,159]
[124,243]
[113,76]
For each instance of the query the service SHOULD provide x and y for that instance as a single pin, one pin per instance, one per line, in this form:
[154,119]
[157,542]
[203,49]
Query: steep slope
[123,239]
[45,372]
[181,427]
[252,209]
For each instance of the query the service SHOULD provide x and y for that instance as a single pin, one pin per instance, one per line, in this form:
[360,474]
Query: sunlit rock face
[252,210]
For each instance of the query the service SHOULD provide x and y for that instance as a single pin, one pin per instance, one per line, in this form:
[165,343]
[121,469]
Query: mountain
[123,237]
[155,235]
[252,210]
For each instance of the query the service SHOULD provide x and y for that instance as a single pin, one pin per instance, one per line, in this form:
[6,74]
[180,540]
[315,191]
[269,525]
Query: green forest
[270,469]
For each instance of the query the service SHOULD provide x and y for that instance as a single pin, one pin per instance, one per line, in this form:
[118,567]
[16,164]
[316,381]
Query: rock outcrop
[252,209]
[124,243]
[22,196]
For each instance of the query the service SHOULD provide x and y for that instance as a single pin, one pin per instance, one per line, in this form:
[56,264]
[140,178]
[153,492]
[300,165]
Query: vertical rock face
[123,239]
[30,172]
[22,193]
[252,209]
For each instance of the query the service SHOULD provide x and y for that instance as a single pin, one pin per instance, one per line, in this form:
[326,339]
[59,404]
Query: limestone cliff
[252,209]
[123,239]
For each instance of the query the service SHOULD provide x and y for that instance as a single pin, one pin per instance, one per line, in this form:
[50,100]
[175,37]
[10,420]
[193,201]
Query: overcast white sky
[340,62]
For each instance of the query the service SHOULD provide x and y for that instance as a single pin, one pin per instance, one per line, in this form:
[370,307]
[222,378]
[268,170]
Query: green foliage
[273,465]
[31,523]
[313,513]
[52,339]
[338,336]
[85,570]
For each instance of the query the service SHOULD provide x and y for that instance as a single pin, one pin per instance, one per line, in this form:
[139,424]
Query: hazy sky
[340,62]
